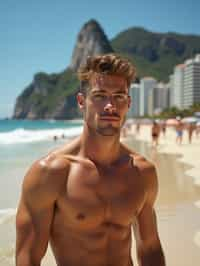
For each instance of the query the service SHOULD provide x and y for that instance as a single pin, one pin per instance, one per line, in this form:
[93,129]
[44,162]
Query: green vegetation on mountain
[49,92]
[155,54]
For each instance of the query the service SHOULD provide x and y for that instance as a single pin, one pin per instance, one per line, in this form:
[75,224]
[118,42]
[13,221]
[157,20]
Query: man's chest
[93,196]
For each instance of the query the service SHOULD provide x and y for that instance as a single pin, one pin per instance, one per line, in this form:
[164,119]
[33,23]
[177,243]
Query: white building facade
[135,100]
[147,85]
[191,93]
[178,85]
[185,84]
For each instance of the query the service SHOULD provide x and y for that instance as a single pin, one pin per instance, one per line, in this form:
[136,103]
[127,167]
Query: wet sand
[178,217]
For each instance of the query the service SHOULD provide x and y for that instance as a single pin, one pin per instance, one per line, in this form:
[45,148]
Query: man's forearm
[152,258]
[26,260]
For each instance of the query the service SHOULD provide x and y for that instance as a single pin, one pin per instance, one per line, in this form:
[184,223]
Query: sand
[178,202]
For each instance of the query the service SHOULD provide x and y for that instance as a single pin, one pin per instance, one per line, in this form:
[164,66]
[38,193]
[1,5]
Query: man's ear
[80,100]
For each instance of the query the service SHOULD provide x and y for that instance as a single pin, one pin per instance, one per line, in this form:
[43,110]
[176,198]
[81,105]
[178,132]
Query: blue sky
[40,35]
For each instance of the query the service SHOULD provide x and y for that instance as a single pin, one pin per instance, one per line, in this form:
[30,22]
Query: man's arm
[149,248]
[35,211]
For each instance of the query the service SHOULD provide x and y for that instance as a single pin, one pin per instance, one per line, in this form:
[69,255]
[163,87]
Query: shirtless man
[85,197]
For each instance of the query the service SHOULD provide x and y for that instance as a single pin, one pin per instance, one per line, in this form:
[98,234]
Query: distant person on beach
[137,127]
[155,133]
[163,128]
[179,130]
[190,129]
[55,138]
[197,131]
[83,198]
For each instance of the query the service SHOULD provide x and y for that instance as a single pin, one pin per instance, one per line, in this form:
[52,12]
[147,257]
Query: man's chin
[108,131]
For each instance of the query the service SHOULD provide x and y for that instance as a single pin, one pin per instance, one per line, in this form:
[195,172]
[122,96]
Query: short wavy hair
[109,64]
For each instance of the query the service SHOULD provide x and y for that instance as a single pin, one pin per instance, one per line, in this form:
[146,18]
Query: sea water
[21,143]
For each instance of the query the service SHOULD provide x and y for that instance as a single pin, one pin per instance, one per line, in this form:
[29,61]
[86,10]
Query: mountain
[91,41]
[154,54]
[53,96]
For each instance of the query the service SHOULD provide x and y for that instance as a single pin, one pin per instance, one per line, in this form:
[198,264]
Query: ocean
[21,143]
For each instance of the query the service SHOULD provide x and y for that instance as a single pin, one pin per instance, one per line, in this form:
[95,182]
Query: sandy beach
[177,206]
[178,203]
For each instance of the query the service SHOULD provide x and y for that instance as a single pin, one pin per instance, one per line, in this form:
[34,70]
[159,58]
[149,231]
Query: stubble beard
[108,130]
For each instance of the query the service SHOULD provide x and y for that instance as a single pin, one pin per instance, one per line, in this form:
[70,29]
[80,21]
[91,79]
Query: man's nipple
[80,216]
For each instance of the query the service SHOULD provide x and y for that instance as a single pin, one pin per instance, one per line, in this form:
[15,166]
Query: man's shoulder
[139,160]
[47,174]
[143,163]
[148,176]
[52,163]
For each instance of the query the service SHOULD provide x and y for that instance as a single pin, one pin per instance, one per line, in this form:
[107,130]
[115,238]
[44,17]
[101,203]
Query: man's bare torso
[95,210]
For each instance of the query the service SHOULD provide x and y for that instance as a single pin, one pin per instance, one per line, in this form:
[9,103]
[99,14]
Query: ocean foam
[27,136]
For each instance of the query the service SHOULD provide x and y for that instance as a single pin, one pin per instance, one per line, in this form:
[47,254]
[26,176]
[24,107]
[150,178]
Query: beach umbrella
[171,122]
[190,119]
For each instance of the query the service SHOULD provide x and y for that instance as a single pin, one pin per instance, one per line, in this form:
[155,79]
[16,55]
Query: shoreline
[177,211]
[188,153]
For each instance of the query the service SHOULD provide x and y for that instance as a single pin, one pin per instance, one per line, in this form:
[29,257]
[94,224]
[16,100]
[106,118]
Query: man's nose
[110,107]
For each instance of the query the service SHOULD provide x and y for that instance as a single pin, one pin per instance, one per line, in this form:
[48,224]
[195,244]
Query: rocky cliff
[91,40]
[53,96]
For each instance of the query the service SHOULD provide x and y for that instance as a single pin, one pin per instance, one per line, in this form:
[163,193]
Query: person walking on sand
[137,127]
[155,133]
[84,197]
[190,129]
[163,127]
[179,130]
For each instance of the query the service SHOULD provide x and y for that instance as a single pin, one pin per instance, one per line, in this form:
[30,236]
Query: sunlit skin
[85,197]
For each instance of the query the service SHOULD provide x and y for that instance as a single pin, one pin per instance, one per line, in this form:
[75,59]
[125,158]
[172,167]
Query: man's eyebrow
[97,91]
[121,91]
[104,91]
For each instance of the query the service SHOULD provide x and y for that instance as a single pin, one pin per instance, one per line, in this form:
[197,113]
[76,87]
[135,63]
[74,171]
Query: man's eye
[99,96]
[120,97]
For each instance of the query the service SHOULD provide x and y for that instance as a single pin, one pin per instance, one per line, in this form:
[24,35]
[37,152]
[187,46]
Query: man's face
[106,104]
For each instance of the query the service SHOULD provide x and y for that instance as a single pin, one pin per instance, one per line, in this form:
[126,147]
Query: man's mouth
[110,118]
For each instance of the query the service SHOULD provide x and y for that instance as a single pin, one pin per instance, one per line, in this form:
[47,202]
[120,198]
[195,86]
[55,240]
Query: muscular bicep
[33,226]
[145,228]
[35,213]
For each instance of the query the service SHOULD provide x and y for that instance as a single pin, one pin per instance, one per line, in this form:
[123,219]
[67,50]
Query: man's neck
[103,150]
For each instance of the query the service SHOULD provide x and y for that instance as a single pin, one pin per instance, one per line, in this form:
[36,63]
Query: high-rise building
[147,84]
[171,90]
[160,97]
[178,85]
[135,97]
[185,84]
[191,92]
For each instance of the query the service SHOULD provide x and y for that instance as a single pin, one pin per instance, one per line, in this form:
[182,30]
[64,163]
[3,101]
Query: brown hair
[110,64]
